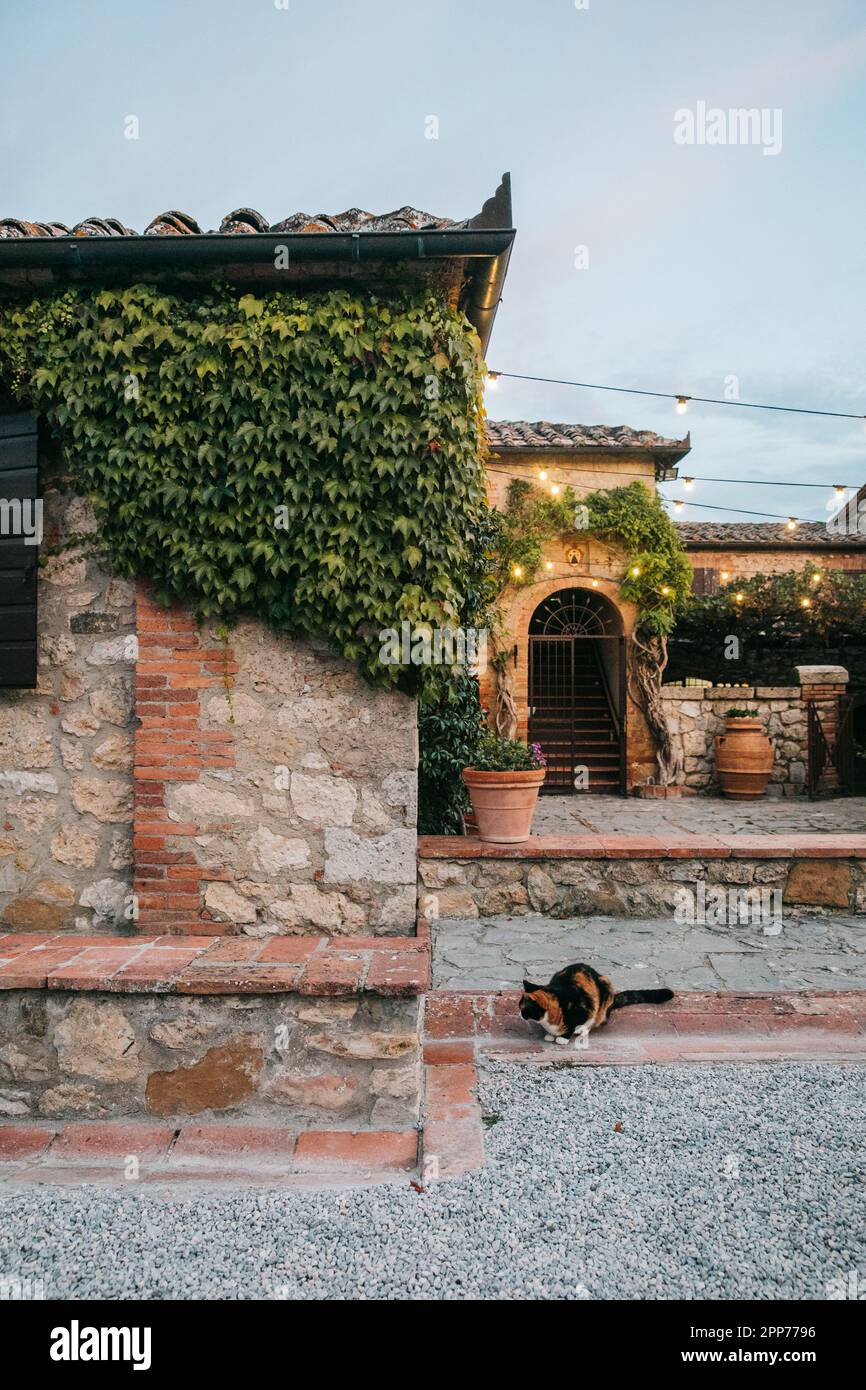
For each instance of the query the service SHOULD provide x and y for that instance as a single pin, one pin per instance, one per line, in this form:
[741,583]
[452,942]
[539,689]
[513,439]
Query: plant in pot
[744,756]
[503,784]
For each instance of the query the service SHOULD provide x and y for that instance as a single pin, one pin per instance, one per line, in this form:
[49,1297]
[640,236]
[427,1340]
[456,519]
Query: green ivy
[314,459]
[632,516]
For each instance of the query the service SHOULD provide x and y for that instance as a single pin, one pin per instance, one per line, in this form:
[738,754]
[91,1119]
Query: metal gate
[577,701]
[830,762]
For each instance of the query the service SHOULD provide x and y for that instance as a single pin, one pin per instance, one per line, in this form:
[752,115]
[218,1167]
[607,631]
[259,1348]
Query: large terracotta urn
[503,803]
[744,758]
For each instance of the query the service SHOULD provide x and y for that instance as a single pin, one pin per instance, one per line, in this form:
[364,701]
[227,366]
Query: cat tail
[641,996]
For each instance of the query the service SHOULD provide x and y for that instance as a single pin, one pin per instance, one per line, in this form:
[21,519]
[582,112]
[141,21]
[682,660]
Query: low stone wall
[66,748]
[696,715]
[310,1061]
[633,887]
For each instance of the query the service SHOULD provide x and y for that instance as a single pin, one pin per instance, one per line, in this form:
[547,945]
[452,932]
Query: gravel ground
[634,1182]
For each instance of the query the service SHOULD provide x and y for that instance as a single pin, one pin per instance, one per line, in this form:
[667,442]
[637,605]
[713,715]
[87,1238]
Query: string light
[839,492]
[493,379]
[517,571]
[678,506]
[635,571]
[738,598]
[549,565]
[791,524]
[678,397]
[688,484]
[682,404]
[805,603]
[725,576]
[665,590]
[816,578]
[554,489]
[542,473]
[595,583]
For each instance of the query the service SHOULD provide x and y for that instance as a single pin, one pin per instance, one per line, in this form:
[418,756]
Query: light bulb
[635,571]
[816,579]
[595,583]
[665,589]
[839,492]
[688,483]
[739,597]
[549,565]
[725,576]
[492,380]
[554,489]
[805,603]
[542,473]
[791,523]
[517,571]
[682,404]
[678,506]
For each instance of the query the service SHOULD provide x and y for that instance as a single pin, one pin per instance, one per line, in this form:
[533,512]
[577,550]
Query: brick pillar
[821,686]
[170,747]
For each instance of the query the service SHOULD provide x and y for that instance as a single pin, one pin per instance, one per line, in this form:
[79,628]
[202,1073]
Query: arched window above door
[575,613]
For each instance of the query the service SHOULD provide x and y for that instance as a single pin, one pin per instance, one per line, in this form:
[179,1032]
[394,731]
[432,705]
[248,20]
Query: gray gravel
[724,1182]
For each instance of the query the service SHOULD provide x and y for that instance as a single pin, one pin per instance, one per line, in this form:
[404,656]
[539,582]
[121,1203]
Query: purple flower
[540,759]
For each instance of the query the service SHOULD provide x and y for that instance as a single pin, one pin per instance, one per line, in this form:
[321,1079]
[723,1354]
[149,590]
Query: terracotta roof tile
[764,533]
[243,221]
[541,434]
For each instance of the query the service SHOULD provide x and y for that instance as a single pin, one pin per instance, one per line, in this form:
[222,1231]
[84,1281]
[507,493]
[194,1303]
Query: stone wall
[66,747]
[305,1061]
[466,888]
[275,789]
[695,715]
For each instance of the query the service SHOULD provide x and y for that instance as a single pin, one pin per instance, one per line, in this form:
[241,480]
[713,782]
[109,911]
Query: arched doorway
[577,697]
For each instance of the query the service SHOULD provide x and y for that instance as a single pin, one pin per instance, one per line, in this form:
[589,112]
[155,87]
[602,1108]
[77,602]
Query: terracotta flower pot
[744,759]
[503,803]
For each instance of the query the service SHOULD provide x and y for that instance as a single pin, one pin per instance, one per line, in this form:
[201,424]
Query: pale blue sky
[705,261]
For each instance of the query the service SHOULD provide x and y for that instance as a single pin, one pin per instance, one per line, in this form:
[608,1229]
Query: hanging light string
[678,397]
[838,488]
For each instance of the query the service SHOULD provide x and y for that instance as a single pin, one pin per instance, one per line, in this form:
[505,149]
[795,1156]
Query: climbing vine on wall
[313,459]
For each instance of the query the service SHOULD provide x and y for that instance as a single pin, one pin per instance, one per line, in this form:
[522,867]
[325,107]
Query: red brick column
[172,669]
[825,699]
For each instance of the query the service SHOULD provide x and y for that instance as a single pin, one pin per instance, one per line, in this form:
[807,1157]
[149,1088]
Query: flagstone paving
[794,953]
[700,815]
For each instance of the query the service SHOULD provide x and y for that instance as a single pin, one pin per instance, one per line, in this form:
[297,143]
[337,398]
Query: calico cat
[577,1000]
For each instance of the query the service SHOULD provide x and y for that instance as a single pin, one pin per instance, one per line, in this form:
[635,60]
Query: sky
[710,265]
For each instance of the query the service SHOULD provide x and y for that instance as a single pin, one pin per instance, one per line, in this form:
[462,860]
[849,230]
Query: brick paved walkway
[700,815]
[808,952]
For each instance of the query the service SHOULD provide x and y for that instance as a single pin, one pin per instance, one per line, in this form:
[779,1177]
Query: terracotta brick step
[200,964]
[692,1027]
[663,845]
[123,1153]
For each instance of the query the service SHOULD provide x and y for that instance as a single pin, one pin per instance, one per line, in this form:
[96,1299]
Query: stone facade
[695,715]
[275,790]
[305,1061]
[635,887]
[66,747]
[260,784]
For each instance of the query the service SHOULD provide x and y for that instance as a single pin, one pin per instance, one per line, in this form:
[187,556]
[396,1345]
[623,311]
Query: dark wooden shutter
[705,581]
[18,561]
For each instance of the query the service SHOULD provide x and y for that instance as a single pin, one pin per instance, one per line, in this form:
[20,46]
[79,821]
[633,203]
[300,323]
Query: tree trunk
[646,667]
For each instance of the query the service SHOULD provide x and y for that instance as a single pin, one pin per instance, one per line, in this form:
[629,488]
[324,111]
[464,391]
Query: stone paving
[794,953]
[699,815]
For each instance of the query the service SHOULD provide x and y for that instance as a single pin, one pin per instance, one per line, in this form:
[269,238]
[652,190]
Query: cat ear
[529,987]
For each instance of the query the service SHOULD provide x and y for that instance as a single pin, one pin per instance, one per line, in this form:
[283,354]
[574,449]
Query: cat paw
[581,1042]
[563,1042]
[548,1037]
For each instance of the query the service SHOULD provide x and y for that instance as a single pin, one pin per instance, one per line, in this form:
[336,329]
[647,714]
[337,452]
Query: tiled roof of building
[734,534]
[242,221]
[541,434]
